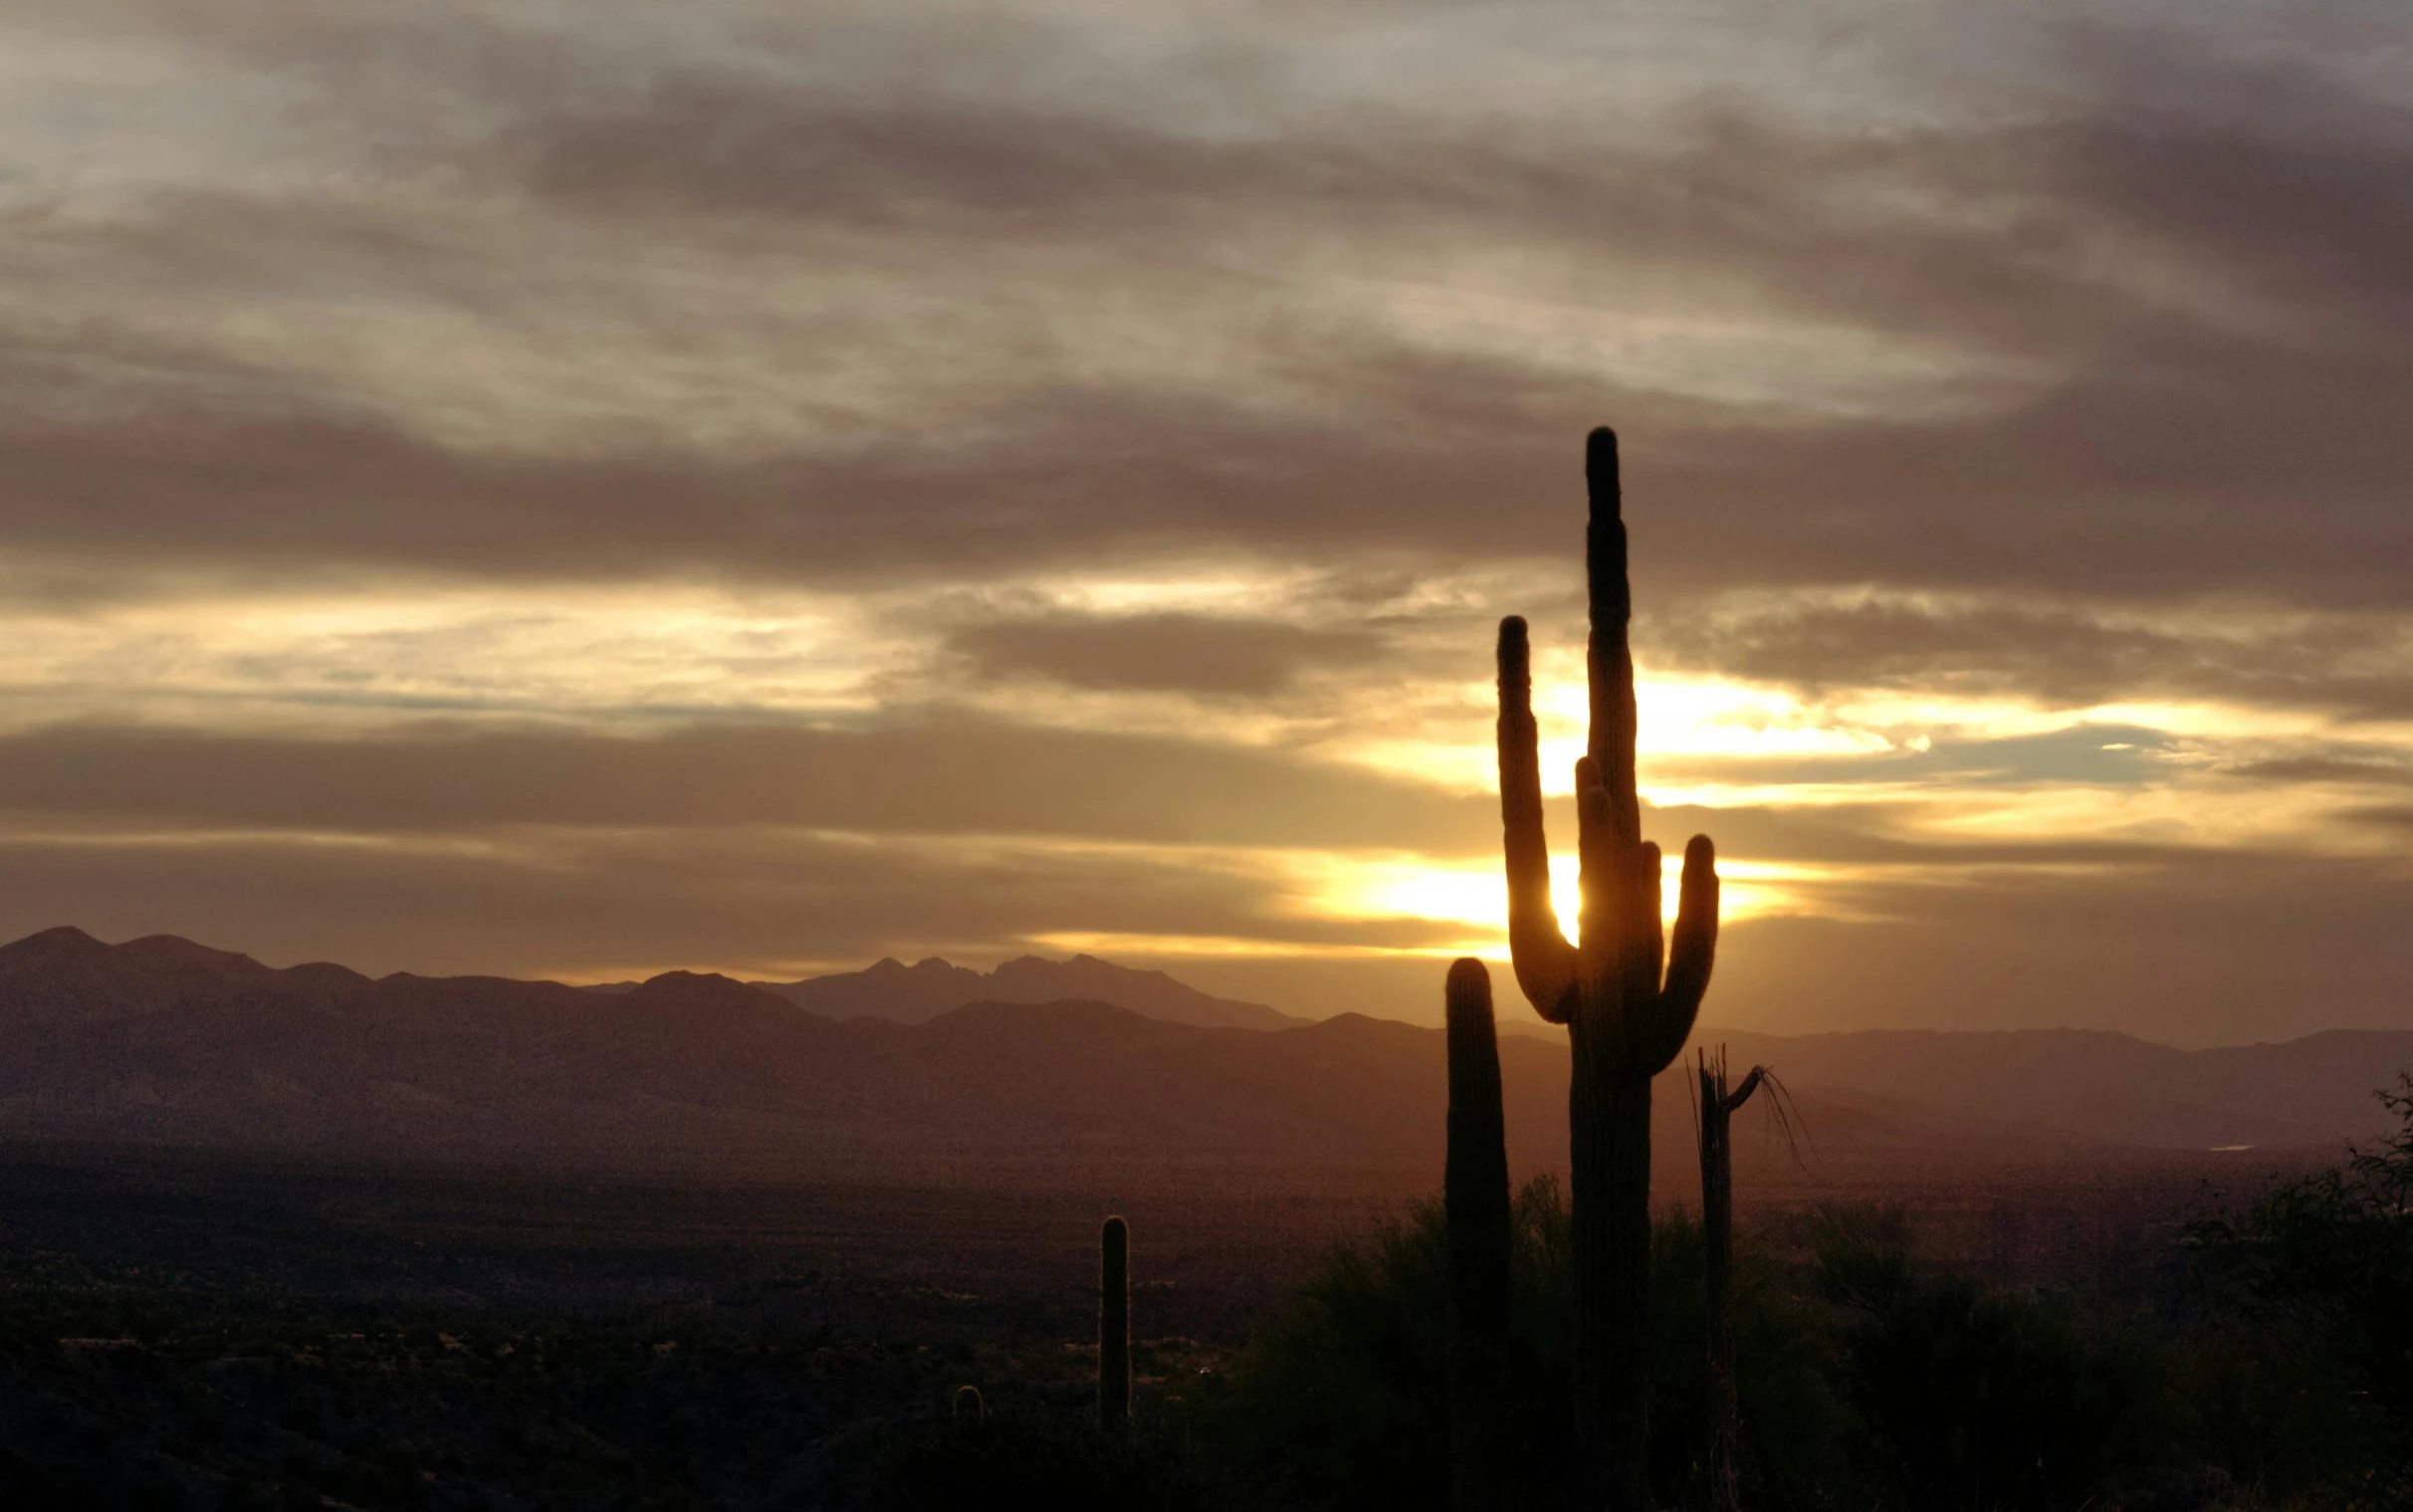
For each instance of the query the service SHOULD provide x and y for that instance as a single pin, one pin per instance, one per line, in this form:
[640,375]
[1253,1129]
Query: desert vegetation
[568,1350]
[2261,1368]
[1870,1375]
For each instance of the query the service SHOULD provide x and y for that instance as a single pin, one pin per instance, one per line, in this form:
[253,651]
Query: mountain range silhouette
[921,991]
[161,1040]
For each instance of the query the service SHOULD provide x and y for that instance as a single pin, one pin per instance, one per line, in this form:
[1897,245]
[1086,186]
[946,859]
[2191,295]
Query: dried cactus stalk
[1717,1107]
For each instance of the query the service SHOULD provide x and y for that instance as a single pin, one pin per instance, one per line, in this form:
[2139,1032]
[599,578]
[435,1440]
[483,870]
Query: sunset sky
[586,489]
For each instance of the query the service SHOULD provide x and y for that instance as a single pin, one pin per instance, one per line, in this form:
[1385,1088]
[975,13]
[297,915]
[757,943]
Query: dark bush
[2318,1279]
[1341,1402]
[1965,1398]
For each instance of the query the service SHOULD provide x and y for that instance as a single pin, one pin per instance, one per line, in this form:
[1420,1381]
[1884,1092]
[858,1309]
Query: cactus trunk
[1627,1020]
[1609,1242]
[1114,1325]
[1474,1203]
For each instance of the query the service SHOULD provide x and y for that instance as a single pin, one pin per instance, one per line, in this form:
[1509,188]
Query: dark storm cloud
[2188,344]
[1177,653]
[934,776]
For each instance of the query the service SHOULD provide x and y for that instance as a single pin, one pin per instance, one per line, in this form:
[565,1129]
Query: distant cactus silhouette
[1114,1325]
[1625,1023]
[1474,1203]
[1717,1254]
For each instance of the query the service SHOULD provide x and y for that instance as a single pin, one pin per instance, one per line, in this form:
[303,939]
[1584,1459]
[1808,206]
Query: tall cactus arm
[1696,941]
[1654,942]
[1609,656]
[1692,951]
[1596,848]
[1544,961]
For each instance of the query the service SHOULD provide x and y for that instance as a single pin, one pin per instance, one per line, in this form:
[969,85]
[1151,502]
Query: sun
[1477,894]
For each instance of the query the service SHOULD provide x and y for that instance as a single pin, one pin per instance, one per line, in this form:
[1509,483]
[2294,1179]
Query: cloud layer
[827,440]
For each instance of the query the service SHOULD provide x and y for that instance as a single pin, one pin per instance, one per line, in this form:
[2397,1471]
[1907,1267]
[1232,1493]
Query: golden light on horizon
[1477,894]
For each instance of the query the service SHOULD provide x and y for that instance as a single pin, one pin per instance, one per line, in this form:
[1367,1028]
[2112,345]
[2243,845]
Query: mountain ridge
[161,1039]
[888,989]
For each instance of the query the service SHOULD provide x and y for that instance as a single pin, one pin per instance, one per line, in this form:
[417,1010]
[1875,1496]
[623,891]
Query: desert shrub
[1341,1398]
[2315,1285]
[2272,1418]
[1963,1396]
[1341,1402]
[1792,1419]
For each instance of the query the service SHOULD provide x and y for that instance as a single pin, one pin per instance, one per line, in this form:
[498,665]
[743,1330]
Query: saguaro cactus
[1625,1020]
[1114,1325]
[1475,1204]
[1717,1245]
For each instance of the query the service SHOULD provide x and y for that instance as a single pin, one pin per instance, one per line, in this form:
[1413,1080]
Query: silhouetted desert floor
[936,1261]
[948,1250]
[188,1329]
[208,1330]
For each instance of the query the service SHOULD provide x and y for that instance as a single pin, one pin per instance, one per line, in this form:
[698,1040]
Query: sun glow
[1699,717]
[1476,895]
[1120,945]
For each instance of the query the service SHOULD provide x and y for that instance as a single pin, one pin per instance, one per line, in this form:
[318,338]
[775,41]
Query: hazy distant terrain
[921,991]
[477,1241]
[2099,1087]
[161,1039]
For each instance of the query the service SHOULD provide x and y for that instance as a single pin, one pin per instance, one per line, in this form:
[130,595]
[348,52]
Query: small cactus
[1114,1325]
[1475,1204]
